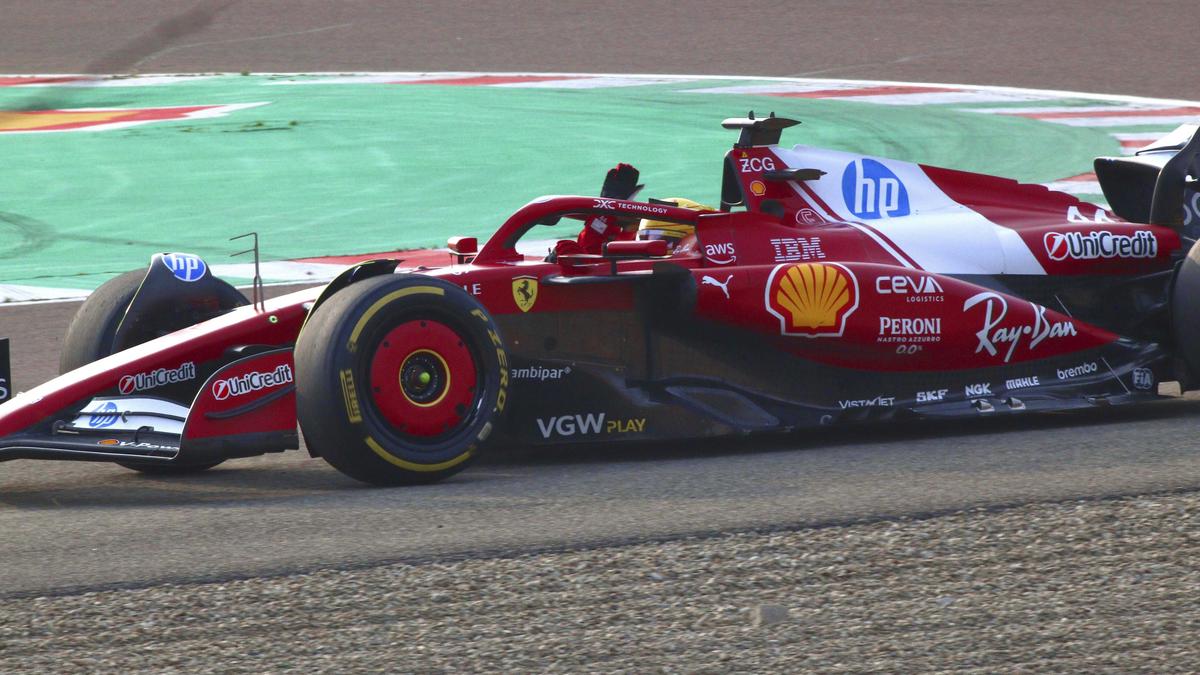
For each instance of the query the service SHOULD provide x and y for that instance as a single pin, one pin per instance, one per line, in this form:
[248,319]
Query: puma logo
[709,281]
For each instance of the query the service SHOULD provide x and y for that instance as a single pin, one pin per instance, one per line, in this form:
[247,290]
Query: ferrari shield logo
[525,290]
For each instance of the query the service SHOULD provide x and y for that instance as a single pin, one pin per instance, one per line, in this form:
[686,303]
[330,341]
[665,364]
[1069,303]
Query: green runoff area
[333,169]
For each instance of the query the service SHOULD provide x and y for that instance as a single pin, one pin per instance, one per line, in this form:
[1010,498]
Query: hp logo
[104,416]
[185,266]
[872,191]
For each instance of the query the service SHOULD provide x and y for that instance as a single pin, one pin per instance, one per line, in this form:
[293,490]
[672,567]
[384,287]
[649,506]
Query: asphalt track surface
[69,526]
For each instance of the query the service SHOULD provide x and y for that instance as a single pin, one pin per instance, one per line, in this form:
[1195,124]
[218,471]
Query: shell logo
[812,299]
[96,119]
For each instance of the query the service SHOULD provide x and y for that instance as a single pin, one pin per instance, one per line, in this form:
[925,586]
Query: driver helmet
[673,233]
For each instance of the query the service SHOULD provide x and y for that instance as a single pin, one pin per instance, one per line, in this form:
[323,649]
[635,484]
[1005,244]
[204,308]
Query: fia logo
[185,266]
[1143,378]
[872,191]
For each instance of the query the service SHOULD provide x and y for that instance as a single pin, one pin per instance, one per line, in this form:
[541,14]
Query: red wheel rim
[423,378]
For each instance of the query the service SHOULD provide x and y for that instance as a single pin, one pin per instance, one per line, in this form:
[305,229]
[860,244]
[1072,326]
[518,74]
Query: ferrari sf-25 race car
[827,288]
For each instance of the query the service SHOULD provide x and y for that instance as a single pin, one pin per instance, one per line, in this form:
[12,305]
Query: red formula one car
[828,288]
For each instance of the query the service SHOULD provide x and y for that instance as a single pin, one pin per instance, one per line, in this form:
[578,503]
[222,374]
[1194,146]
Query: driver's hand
[565,247]
[621,182]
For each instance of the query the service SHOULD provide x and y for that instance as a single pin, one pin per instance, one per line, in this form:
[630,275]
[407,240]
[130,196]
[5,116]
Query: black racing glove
[621,182]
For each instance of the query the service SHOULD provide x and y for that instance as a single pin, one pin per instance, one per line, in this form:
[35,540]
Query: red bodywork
[795,271]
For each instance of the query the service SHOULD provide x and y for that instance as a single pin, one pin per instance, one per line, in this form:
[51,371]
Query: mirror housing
[463,245]
[636,248]
[462,248]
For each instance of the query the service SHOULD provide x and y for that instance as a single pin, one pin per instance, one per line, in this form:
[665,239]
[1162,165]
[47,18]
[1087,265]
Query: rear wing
[758,131]
[754,132]
[1158,185]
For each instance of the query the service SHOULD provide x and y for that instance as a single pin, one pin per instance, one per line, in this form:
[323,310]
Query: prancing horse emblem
[525,290]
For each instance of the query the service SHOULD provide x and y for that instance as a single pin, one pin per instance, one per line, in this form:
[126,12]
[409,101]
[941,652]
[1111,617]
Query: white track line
[1039,93]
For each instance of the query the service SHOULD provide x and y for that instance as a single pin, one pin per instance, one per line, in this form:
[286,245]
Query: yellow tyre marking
[350,396]
[352,345]
[424,468]
[484,432]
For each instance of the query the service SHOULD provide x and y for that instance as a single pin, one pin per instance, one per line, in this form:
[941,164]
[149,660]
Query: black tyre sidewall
[327,412]
[1185,313]
[90,338]
[90,334]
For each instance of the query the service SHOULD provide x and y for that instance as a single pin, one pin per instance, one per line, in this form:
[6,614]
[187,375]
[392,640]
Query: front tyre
[92,332]
[399,379]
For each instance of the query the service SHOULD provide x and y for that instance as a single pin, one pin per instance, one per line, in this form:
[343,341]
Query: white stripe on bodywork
[1076,187]
[887,246]
[883,243]
[939,234]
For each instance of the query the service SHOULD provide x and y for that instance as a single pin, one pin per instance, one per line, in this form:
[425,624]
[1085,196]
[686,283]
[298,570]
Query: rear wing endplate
[1158,185]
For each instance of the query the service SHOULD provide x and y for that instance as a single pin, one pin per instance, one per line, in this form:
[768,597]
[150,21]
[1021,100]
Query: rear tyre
[399,379]
[90,338]
[1185,316]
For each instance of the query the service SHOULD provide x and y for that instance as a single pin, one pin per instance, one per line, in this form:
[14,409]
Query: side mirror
[638,248]
[462,247]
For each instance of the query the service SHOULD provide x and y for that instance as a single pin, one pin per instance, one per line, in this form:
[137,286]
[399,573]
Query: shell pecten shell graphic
[812,299]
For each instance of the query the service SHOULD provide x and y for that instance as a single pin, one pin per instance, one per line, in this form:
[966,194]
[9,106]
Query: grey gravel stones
[769,614]
[1108,586]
